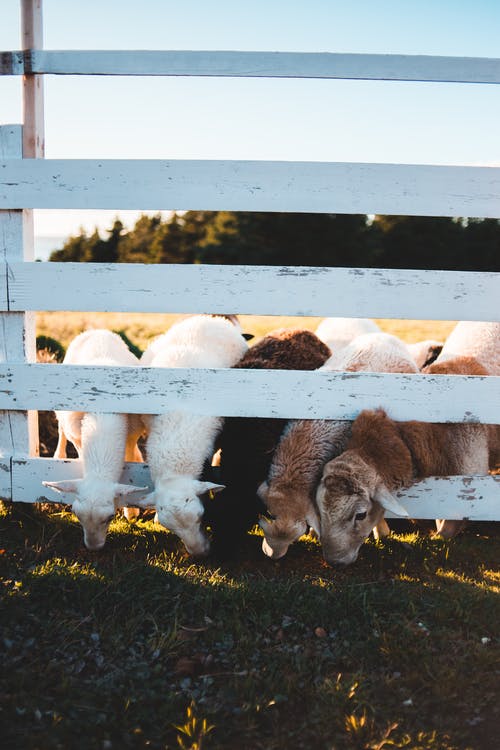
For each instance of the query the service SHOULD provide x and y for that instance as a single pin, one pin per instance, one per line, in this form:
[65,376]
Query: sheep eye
[360,516]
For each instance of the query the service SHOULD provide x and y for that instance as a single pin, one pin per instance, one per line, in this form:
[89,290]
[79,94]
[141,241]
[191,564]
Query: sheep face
[179,509]
[292,515]
[351,502]
[95,505]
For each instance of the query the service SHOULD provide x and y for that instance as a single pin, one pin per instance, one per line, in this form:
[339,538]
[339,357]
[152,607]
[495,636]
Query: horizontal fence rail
[252,290]
[252,65]
[249,393]
[476,498]
[316,187]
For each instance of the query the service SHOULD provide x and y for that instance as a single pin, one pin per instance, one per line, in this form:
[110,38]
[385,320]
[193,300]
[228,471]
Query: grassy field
[141,647]
[141,327]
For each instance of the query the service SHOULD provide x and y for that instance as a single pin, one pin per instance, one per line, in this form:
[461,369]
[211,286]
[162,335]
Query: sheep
[381,457]
[179,443]
[103,442]
[176,335]
[474,339]
[471,345]
[464,365]
[306,446]
[373,352]
[288,493]
[247,444]
[338,332]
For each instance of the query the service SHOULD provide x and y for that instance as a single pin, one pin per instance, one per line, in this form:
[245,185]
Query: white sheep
[103,441]
[176,335]
[373,352]
[338,332]
[474,339]
[307,445]
[179,442]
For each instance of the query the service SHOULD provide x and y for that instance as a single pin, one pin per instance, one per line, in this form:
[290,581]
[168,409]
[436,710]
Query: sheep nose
[94,546]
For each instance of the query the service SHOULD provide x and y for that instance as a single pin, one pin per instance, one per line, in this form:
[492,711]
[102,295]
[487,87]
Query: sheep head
[95,504]
[289,520]
[180,509]
[351,500]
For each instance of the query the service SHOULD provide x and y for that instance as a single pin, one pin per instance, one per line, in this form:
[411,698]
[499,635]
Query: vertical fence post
[19,430]
[32,38]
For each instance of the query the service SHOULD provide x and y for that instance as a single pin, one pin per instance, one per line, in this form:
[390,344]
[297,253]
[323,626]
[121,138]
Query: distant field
[141,327]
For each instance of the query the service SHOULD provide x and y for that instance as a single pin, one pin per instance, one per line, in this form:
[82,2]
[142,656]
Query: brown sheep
[382,457]
[247,444]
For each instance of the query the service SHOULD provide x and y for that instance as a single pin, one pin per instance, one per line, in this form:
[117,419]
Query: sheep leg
[60,451]
[132,453]
[449,529]
[381,529]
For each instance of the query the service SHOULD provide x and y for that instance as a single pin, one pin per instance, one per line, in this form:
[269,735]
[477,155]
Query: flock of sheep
[214,478]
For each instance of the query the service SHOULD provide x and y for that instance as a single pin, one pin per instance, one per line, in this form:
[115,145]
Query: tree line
[255,238]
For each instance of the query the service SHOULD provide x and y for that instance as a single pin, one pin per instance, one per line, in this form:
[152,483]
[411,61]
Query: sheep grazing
[179,443]
[338,332]
[381,457]
[474,339]
[288,493]
[373,352]
[307,445]
[103,442]
[247,444]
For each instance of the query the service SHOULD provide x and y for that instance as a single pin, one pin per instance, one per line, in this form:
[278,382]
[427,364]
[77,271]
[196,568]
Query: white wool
[102,440]
[373,352]
[203,333]
[338,332]
[179,443]
[100,344]
[474,339]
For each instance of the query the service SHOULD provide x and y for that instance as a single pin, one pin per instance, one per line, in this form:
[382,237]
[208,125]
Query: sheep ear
[66,485]
[147,502]
[263,491]
[312,519]
[384,498]
[128,489]
[202,487]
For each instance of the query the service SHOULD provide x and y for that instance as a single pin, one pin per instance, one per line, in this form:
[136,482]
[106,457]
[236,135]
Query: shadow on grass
[108,650]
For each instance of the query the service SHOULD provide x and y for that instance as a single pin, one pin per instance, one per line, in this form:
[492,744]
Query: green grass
[140,647]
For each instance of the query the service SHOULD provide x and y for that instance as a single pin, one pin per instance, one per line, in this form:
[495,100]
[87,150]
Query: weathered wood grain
[255,290]
[33,103]
[250,393]
[18,430]
[317,187]
[476,498]
[259,64]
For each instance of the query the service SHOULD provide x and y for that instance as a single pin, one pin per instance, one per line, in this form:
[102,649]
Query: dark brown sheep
[247,444]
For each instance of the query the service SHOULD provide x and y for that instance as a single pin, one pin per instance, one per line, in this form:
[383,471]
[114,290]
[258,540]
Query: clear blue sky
[99,117]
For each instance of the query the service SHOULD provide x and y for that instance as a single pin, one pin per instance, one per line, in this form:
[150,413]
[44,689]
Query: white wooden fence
[28,181]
